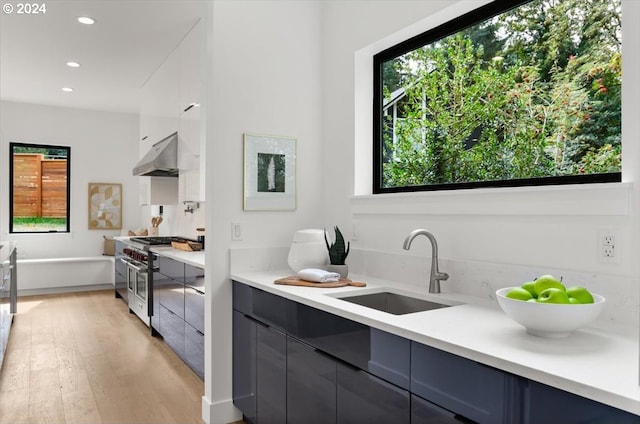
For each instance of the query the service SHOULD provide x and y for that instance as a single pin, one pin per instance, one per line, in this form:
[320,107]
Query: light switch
[236,231]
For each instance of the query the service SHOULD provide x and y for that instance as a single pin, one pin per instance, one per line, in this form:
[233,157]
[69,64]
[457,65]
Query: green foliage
[337,252]
[39,224]
[489,103]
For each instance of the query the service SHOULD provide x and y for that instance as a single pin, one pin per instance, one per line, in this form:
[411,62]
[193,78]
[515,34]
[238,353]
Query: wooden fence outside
[39,186]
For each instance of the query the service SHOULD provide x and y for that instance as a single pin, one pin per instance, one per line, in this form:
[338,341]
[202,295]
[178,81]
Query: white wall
[554,228]
[101,145]
[264,77]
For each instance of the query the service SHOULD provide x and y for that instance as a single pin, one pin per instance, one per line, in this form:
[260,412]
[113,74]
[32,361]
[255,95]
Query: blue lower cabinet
[244,366]
[548,405]
[366,399]
[296,364]
[471,390]
[264,307]
[194,349]
[194,306]
[311,385]
[172,327]
[382,354]
[425,412]
[271,375]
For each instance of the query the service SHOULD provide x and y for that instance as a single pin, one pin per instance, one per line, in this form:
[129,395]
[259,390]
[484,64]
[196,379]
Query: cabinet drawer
[244,365]
[425,412]
[172,330]
[194,307]
[171,268]
[474,391]
[380,353]
[265,307]
[366,399]
[171,294]
[194,276]
[271,375]
[311,385]
[194,349]
[545,404]
[120,267]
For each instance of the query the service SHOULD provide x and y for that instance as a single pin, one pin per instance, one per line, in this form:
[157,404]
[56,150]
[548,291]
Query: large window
[39,188]
[514,93]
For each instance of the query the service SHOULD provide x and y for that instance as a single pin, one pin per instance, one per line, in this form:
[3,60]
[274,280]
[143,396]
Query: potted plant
[337,253]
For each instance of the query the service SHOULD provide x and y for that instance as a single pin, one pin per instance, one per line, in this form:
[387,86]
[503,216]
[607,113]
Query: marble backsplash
[479,279]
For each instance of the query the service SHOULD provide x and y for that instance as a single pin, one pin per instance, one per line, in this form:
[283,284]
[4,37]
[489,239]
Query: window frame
[11,188]
[441,31]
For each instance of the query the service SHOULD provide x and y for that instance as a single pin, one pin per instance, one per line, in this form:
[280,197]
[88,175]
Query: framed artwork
[269,173]
[105,206]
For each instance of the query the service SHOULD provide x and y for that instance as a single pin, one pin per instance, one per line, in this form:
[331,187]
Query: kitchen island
[599,362]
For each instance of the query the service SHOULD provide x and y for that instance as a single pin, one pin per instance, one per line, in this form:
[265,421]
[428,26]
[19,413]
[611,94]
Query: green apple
[529,286]
[574,301]
[580,293]
[519,293]
[553,295]
[546,282]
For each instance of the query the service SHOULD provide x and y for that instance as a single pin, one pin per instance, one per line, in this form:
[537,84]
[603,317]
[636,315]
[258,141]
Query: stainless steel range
[140,264]
[139,270]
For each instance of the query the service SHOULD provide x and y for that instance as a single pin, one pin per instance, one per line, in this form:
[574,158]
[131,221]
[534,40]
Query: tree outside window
[527,96]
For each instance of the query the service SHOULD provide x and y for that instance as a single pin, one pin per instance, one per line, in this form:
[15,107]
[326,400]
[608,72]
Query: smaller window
[39,189]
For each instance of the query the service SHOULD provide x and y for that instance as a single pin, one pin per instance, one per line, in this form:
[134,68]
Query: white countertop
[598,362]
[191,258]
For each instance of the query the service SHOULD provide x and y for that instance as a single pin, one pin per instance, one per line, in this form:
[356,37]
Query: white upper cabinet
[171,101]
[160,103]
[191,132]
[159,118]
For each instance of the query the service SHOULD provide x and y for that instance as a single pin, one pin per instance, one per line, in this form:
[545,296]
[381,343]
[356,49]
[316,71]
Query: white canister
[308,250]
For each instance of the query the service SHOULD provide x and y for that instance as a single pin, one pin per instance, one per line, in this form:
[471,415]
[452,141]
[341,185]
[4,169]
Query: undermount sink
[393,303]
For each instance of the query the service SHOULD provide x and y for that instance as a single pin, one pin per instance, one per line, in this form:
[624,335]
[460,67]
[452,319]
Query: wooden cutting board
[297,281]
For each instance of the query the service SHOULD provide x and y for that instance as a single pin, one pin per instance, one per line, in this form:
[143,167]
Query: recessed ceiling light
[86,20]
[73,64]
[67,89]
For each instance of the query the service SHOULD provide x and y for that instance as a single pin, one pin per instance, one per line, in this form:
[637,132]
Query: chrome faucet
[436,275]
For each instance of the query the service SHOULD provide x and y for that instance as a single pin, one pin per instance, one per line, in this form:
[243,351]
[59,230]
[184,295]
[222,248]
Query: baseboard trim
[222,412]
[69,289]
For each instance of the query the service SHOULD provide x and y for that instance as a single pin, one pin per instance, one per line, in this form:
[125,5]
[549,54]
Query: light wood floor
[82,358]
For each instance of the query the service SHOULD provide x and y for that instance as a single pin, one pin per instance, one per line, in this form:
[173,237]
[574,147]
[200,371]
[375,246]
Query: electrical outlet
[608,245]
[608,239]
[236,231]
[608,251]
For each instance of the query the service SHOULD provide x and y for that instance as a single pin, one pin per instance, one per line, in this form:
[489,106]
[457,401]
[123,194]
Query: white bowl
[550,319]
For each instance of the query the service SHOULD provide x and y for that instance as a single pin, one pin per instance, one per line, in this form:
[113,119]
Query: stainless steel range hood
[161,160]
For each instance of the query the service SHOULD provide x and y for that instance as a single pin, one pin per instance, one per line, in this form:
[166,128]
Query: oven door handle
[137,268]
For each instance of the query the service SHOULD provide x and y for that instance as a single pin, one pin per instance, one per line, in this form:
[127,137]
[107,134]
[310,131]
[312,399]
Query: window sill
[608,199]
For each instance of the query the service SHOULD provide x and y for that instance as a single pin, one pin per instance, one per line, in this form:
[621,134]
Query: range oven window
[141,284]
